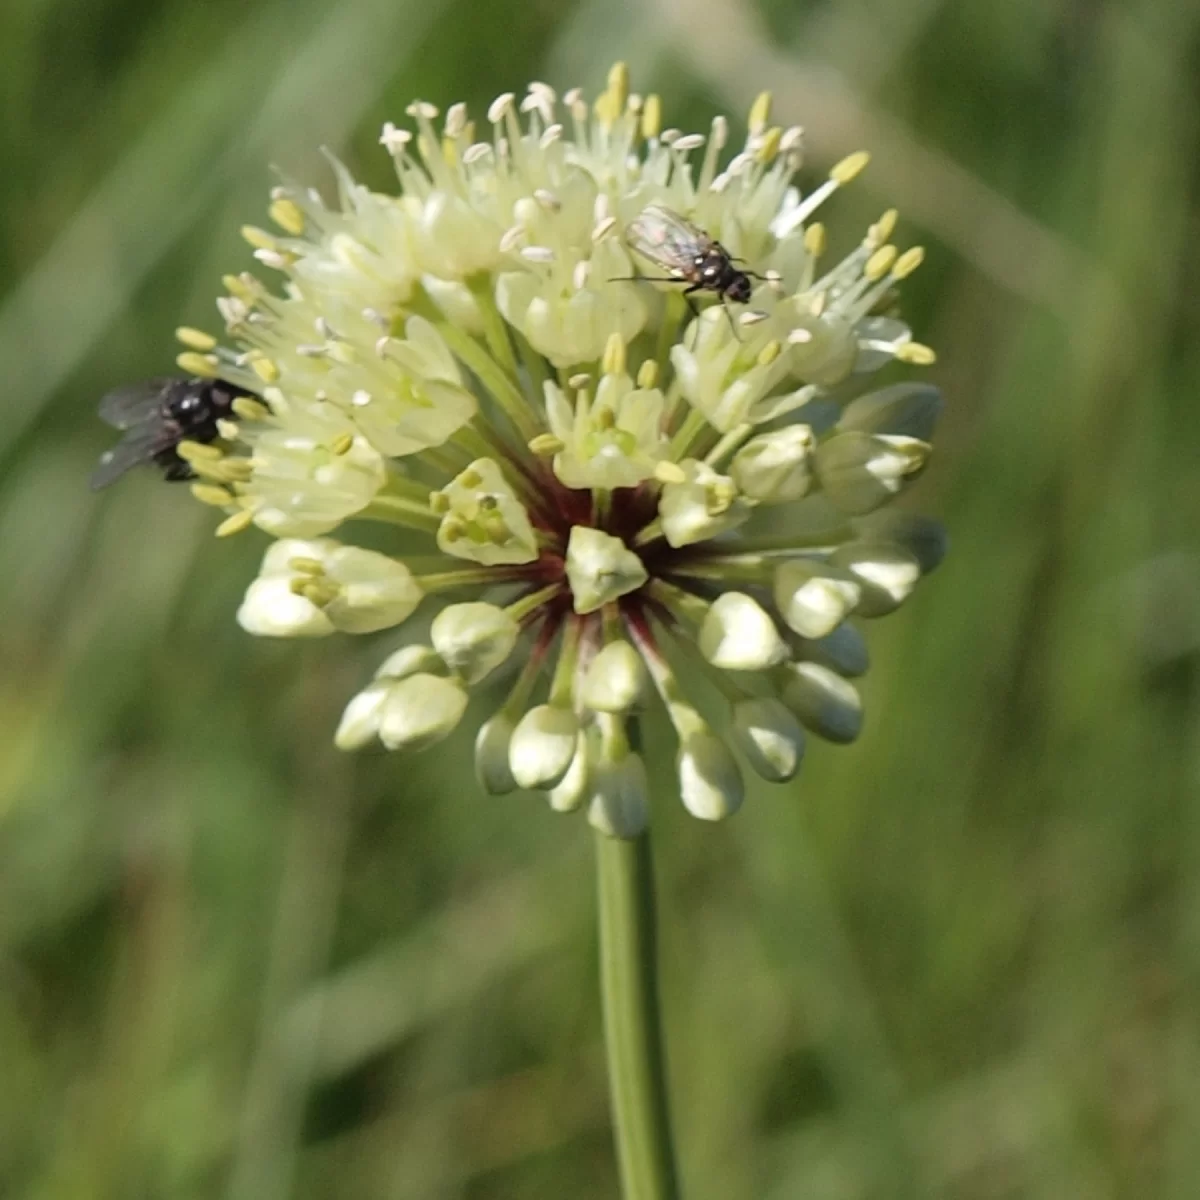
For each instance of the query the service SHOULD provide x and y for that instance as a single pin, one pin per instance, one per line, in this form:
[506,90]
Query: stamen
[235,524]
[287,215]
[205,366]
[916,353]
[196,339]
[760,113]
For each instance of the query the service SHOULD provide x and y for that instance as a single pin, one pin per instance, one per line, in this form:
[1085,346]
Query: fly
[154,417]
[688,255]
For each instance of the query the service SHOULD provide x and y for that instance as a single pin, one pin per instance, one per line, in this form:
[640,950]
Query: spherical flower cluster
[609,479]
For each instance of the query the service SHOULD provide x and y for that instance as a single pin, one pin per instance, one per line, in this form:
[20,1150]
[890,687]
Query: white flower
[311,588]
[483,363]
[614,440]
[700,506]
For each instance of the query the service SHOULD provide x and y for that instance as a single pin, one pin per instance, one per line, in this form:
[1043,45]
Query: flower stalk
[632,1023]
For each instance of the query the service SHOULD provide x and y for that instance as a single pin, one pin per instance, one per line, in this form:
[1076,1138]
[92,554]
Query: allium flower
[608,485]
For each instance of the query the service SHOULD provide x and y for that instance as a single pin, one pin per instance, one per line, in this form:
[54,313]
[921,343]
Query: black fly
[688,255]
[155,417]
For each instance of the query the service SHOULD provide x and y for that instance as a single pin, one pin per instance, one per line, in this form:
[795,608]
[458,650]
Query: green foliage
[959,959]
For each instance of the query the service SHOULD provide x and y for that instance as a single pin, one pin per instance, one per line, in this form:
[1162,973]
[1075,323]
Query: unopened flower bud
[710,783]
[420,711]
[409,660]
[405,714]
[620,805]
[859,471]
[923,537]
[905,409]
[773,467]
[812,598]
[769,736]
[887,574]
[571,791]
[491,755]
[360,721]
[543,746]
[474,639]
[738,635]
[824,701]
[844,650]
[600,568]
[615,679]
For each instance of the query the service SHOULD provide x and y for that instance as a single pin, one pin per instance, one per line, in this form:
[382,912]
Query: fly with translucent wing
[688,255]
[155,416]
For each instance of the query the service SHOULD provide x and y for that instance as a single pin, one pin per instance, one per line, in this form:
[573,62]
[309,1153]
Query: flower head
[501,357]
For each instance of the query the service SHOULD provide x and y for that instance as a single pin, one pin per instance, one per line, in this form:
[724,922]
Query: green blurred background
[959,959]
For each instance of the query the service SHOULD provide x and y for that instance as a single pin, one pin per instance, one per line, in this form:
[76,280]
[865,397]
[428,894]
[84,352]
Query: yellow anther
[603,109]
[260,239]
[439,503]
[265,369]
[613,362]
[883,229]
[197,452]
[319,592]
[618,86]
[760,113]
[669,472]
[916,353]
[546,445]
[211,493]
[195,339]
[908,262]
[342,444]
[287,215]
[250,409]
[306,566]
[814,239]
[768,149]
[496,530]
[604,419]
[849,167]
[203,365]
[652,116]
[452,530]
[769,353]
[719,497]
[816,305]
[470,478]
[227,429]
[235,524]
[647,375]
[235,470]
[880,263]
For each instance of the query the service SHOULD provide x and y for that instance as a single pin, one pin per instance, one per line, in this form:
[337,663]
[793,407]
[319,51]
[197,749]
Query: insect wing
[139,445]
[667,239]
[131,405]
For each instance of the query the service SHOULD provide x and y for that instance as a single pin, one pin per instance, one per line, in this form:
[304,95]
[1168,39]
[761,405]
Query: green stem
[489,373]
[632,1029]
[495,331]
[395,510]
